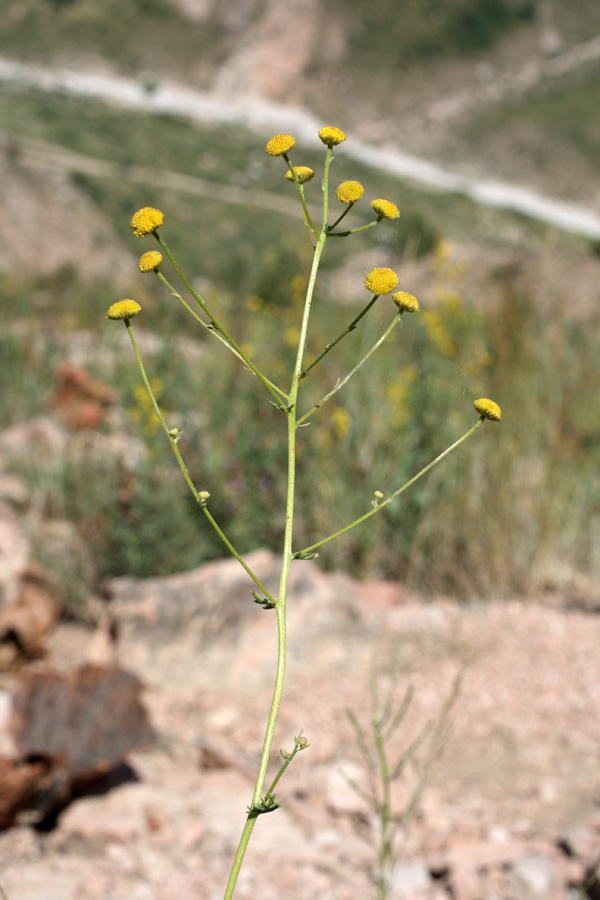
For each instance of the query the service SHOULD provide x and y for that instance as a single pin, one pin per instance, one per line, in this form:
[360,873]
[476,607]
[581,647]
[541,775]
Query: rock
[15,548]
[102,648]
[28,621]
[409,880]
[82,724]
[18,784]
[536,876]
[124,815]
[214,754]
[210,610]
[78,399]
[578,841]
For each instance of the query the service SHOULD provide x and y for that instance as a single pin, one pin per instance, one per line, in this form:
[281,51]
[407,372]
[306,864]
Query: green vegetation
[136,35]
[404,32]
[551,121]
[495,526]
[430,380]
[152,36]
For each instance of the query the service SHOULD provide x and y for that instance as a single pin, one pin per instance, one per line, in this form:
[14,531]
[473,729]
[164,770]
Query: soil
[510,802]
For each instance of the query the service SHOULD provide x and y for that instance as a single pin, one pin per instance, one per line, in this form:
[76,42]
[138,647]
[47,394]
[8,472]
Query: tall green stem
[257,796]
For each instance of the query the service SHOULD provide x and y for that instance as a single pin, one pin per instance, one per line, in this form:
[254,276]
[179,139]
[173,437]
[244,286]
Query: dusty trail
[175,99]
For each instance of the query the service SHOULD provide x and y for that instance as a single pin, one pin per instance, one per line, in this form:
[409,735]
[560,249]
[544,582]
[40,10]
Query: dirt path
[175,99]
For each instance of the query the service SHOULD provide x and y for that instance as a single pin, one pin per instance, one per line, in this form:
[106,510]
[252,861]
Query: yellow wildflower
[349,191]
[381,281]
[146,220]
[150,261]
[341,421]
[279,144]
[303,173]
[291,337]
[406,302]
[488,409]
[123,309]
[331,135]
[385,209]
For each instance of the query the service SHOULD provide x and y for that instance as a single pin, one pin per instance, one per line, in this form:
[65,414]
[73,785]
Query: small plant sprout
[386,762]
[290,401]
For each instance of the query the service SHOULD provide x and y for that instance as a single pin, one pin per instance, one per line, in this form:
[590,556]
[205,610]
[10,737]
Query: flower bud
[123,309]
[487,409]
[146,220]
[381,281]
[406,302]
[279,144]
[349,191]
[302,173]
[150,261]
[385,209]
[331,135]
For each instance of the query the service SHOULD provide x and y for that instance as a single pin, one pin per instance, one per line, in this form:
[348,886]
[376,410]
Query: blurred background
[479,118]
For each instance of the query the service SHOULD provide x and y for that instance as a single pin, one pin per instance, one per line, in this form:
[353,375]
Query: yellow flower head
[279,144]
[150,261]
[146,220]
[123,309]
[303,173]
[349,191]
[331,135]
[487,409]
[381,281]
[406,302]
[385,209]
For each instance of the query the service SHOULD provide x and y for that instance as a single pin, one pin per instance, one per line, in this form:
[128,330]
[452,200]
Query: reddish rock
[28,621]
[18,784]
[82,724]
[78,399]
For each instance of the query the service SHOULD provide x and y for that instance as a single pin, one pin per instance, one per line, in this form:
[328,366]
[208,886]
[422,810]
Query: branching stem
[347,378]
[184,468]
[217,325]
[346,331]
[397,493]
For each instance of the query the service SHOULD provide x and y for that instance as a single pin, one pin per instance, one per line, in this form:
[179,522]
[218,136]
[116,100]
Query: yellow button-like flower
[123,309]
[146,220]
[279,144]
[150,261]
[349,191]
[303,173]
[385,209]
[381,281]
[488,409]
[331,135]
[406,302]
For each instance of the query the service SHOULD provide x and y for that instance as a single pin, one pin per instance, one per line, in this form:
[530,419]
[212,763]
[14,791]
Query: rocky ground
[510,803]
